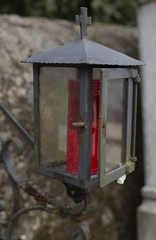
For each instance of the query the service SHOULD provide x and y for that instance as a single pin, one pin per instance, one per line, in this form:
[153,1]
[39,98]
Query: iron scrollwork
[45,202]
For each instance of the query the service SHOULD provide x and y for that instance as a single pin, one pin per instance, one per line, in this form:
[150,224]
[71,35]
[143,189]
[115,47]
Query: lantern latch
[78,124]
[133,159]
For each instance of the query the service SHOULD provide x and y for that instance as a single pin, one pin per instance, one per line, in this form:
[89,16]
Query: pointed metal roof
[84,51]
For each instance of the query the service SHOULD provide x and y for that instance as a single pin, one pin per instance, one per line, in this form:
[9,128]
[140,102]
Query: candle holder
[85,97]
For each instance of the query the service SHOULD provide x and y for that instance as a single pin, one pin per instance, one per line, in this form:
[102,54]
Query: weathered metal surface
[83,20]
[85,230]
[84,172]
[36,71]
[102,127]
[29,187]
[40,196]
[134,116]
[18,126]
[68,178]
[84,52]
[128,115]
[130,125]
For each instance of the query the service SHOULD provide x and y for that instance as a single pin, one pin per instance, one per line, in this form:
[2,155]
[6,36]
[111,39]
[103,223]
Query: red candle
[94,126]
[73,132]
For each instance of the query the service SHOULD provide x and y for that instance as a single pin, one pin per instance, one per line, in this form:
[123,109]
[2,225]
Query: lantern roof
[84,51]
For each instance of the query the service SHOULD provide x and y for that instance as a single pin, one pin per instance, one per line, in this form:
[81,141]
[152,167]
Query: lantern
[85,98]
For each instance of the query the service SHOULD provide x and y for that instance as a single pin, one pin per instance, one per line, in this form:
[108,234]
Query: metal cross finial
[83,20]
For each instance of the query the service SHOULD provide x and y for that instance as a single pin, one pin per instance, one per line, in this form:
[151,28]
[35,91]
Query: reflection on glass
[95,125]
[72,131]
[58,87]
[95,119]
[115,123]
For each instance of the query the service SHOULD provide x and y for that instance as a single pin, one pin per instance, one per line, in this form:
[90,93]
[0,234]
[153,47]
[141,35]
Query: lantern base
[77,194]
[59,172]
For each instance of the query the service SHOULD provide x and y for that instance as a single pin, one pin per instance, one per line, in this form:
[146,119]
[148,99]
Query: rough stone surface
[147,220]
[147,211]
[112,215]
[148,55]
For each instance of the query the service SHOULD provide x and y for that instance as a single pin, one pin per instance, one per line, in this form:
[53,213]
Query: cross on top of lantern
[85,97]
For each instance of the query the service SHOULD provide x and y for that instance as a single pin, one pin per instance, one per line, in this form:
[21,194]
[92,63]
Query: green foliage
[108,11]
[115,11]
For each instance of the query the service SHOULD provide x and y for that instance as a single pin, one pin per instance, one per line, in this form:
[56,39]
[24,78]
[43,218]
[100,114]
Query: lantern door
[115,123]
[57,109]
[66,131]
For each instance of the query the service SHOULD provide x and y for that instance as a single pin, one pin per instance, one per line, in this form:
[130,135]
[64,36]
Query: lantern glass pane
[58,109]
[95,119]
[115,124]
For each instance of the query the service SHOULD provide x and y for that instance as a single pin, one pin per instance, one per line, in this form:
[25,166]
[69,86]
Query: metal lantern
[85,97]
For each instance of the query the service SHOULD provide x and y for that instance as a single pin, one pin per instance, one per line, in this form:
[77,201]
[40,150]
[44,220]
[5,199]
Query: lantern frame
[132,78]
[84,179]
[86,55]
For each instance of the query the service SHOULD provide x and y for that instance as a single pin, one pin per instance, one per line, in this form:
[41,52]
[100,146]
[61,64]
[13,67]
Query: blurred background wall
[147,46]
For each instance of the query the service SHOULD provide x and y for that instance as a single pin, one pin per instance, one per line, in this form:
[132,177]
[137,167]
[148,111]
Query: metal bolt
[133,159]
[78,124]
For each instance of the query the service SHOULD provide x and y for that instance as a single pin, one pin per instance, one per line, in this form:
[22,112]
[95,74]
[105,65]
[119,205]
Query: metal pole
[18,126]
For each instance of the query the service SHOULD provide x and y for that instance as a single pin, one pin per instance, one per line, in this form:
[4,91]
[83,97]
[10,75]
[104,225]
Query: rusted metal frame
[5,158]
[84,229]
[129,96]
[61,209]
[9,225]
[31,189]
[102,126]
[36,85]
[125,107]
[116,173]
[128,166]
[82,224]
[18,126]
[134,119]
[15,191]
[121,72]
[87,64]
[70,178]
[84,170]
[19,213]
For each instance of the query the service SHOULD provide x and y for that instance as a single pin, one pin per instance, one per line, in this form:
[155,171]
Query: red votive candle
[94,126]
[73,132]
